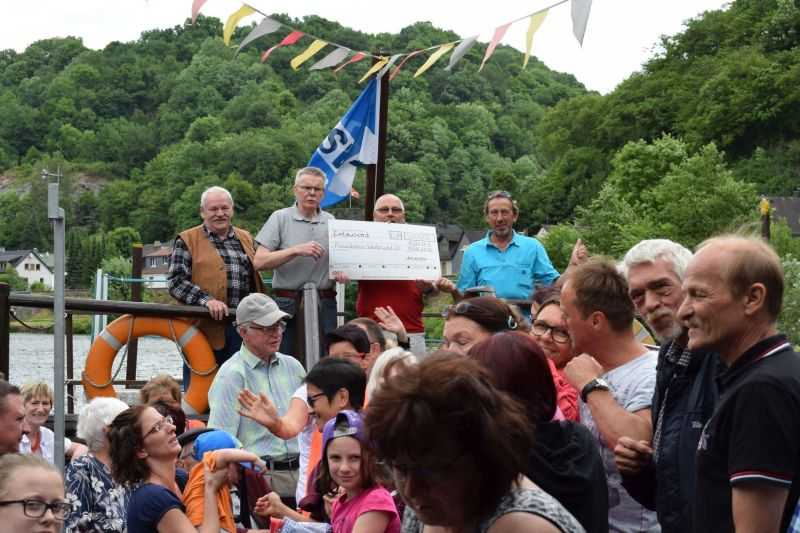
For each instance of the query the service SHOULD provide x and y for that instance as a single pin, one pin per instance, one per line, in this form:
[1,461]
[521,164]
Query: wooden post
[5,322]
[376,172]
[765,222]
[136,296]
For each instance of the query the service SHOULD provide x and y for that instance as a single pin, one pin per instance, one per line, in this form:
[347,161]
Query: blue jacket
[669,487]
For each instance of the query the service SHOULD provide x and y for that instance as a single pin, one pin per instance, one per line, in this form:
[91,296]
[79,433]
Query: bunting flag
[388,65]
[196,5]
[355,59]
[403,62]
[265,27]
[332,59]
[580,16]
[233,20]
[434,58]
[536,23]
[352,142]
[315,47]
[287,41]
[374,68]
[461,50]
[498,34]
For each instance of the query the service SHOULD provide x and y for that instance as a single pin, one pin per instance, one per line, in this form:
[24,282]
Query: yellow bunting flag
[233,20]
[374,68]
[434,58]
[536,23]
[315,47]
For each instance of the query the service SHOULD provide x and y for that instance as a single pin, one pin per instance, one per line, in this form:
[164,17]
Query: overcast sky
[620,36]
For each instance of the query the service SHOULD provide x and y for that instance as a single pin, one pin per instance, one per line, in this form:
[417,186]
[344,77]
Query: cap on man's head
[210,441]
[346,424]
[259,309]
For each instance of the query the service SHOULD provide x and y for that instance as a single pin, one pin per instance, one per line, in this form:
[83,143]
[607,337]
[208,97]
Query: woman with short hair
[457,449]
[36,504]
[37,400]
[98,503]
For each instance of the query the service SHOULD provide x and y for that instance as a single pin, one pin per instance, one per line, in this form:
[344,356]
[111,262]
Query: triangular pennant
[389,64]
[356,58]
[536,23]
[580,16]
[196,5]
[461,50]
[403,62]
[265,27]
[233,20]
[434,58]
[315,47]
[498,34]
[288,40]
[332,59]
[374,68]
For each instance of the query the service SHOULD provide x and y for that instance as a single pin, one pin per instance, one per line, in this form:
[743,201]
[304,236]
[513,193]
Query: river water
[32,359]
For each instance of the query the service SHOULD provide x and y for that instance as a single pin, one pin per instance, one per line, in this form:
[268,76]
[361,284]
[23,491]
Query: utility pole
[56,215]
[376,172]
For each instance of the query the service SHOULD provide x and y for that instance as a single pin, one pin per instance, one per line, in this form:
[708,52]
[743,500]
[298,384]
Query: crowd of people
[550,417]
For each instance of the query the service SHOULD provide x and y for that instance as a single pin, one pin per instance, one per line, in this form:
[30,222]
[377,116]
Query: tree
[10,277]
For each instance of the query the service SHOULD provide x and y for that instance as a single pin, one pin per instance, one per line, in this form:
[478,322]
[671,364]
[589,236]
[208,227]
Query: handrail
[89,306]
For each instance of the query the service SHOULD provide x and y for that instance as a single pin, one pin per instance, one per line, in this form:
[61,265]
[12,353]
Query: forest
[681,149]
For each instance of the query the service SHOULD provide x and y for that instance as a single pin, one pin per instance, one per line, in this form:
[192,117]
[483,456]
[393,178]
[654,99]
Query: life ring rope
[182,342]
[116,345]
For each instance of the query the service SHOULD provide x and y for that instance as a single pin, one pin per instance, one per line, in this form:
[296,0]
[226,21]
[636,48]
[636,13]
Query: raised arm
[263,411]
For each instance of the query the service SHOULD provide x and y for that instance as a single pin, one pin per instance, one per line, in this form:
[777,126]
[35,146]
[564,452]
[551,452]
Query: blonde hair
[11,462]
[31,391]
[160,383]
[383,362]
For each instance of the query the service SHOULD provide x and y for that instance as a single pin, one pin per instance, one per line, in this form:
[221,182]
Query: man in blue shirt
[512,264]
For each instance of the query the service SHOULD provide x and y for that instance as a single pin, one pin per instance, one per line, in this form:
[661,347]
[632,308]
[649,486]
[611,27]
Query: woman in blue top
[144,450]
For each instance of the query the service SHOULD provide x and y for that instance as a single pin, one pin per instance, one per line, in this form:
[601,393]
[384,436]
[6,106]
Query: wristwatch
[595,384]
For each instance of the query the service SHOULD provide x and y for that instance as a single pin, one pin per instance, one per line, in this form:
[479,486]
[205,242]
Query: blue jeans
[232,344]
[327,322]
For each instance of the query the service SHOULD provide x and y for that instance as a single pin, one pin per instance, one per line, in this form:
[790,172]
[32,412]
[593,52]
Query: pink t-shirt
[345,513]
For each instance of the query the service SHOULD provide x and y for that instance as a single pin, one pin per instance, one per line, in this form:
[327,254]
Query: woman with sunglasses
[457,449]
[144,452]
[35,504]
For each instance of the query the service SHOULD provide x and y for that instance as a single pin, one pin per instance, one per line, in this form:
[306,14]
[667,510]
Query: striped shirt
[278,379]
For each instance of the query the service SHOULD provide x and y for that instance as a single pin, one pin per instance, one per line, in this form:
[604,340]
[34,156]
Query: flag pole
[376,172]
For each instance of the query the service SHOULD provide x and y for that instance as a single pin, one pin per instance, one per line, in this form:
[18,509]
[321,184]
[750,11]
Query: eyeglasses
[355,356]
[159,425]
[38,508]
[313,398]
[386,209]
[559,335]
[310,190]
[498,194]
[269,330]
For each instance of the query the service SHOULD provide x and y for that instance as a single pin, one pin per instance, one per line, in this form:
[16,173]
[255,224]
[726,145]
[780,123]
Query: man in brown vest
[212,265]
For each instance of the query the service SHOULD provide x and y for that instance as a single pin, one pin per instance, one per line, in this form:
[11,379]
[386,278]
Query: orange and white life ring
[196,349]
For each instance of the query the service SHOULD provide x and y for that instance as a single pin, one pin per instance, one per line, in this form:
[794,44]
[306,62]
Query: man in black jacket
[661,475]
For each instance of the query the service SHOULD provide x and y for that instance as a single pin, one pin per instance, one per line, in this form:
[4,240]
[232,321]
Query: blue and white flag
[352,142]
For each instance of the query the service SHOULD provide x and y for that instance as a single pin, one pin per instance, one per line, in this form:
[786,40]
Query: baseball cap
[259,309]
[216,439]
[346,424]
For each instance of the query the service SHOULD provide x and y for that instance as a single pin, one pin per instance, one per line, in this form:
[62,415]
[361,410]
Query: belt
[323,293]
[285,463]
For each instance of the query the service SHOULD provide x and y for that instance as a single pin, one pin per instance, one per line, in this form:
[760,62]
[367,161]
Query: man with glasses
[513,264]
[259,366]
[352,343]
[293,243]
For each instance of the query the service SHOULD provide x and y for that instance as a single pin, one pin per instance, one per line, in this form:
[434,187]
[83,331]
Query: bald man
[404,297]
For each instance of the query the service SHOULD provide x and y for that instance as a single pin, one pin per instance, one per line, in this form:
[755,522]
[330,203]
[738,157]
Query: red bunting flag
[358,57]
[498,34]
[196,5]
[288,40]
[403,62]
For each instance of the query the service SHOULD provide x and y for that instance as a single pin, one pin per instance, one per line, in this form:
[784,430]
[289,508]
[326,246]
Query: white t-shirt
[46,445]
[632,386]
[304,442]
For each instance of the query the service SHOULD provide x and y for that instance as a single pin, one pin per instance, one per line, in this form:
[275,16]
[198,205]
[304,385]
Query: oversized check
[379,250]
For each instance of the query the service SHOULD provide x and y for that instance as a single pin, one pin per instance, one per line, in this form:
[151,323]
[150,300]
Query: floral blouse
[98,503]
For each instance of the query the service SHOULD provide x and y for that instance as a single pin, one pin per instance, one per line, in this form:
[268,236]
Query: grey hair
[383,360]
[213,189]
[393,196]
[311,171]
[648,251]
[93,419]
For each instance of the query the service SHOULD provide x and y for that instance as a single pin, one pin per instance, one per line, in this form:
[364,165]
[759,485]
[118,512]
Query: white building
[29,265]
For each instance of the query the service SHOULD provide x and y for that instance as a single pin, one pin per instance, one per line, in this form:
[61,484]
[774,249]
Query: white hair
[376,376]
[310,171]
[391,196]
[649,251]
[93,419]
[214,189]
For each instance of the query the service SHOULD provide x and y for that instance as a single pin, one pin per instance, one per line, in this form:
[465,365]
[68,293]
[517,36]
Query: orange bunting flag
[403,62]
[374,68]
[434,58]
[233,20]
[288,40]
[498,35]
[536,23]
[196,5]
[356,58]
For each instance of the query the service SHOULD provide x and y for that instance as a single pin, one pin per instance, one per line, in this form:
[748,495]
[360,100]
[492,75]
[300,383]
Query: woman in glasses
[35,504]
[457,450]
[564,460]
[144,451]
